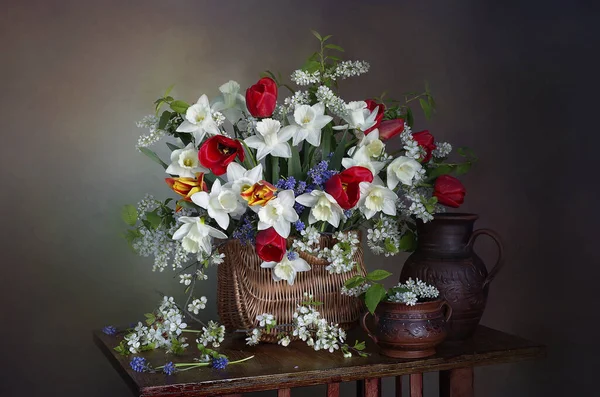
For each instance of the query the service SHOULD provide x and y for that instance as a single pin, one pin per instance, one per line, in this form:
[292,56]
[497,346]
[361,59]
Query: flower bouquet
[290,179]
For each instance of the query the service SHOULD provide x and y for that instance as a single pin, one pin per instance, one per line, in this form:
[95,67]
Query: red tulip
[449,191]
[270,246]
[372,105]
[390,128]
[261,98]
[344,187]
[427,142]
[218,152]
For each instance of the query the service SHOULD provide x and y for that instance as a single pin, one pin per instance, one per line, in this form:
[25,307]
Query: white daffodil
[196,236]
[286,269]
[231,102]
[361,158]
[374,147]
[376,198]
[278,213]
[199,120]
[307,123]
[323,207]
[270,139]
[240,179]
[402,169]
[358,116]
[185,163]
[220,204]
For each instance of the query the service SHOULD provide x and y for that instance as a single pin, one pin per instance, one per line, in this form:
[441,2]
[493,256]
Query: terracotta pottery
[403,331]
[444,257]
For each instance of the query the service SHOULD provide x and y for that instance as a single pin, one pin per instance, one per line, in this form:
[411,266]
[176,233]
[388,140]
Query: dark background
[515,82]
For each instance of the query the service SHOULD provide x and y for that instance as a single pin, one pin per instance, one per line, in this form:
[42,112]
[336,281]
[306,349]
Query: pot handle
[448,311]
[363,323]
[499,261]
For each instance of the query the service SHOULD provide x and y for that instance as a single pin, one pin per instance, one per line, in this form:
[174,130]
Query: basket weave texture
[245,290]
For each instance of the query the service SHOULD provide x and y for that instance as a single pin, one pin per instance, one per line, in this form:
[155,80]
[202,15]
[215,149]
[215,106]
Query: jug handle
[448,311]
[498,242]
[363,323]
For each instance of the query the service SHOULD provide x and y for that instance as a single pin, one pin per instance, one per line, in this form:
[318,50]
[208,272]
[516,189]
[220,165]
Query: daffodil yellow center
[188,162]
[199,118]
[305,120]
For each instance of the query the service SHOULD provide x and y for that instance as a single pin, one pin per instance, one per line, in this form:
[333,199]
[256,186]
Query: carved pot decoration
[403,331]
[444,258]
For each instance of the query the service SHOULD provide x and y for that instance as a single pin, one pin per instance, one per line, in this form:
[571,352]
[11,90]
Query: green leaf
[462,168]
[179,106]
[426,108]
[187,204]
[154,219]
[377,275]
[334,47]
[185,137]
[408,242]
[316,34]
[311,66]
[129,214]
[294,165]
[168,91]
[150,318]
[172,146]
[354,282]
[164,119]
[442,169]
[359,345]
[336,161]
[373,296]
[467,153]
[153,156]
[410,120]
[326,141]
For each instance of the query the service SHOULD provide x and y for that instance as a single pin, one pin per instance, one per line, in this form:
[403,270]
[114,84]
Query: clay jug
[445,258]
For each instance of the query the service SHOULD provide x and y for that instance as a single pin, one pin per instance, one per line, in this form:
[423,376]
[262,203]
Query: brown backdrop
[517,83]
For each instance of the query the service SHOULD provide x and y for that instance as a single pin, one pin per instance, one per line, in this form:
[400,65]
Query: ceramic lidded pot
[404,331]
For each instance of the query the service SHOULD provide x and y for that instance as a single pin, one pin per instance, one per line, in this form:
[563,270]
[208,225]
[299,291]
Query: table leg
[373,387]
[284,393]
[416,385]
[333,390]
[457,383]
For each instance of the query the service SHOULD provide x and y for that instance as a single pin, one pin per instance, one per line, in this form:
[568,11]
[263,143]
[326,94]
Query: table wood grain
[275,367]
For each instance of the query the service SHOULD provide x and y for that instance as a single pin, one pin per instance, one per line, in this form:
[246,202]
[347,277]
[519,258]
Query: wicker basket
[245,290]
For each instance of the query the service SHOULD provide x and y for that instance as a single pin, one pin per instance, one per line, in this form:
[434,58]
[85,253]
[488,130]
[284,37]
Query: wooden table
[278,368]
